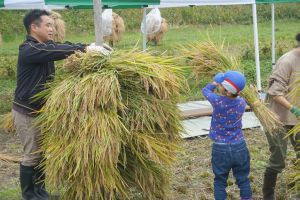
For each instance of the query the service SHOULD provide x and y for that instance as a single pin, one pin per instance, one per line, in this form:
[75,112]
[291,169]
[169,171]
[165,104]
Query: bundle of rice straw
[208,59]
[294,96]
[157,36]
[110,124]
[58,27]
[118,28]
[7,123]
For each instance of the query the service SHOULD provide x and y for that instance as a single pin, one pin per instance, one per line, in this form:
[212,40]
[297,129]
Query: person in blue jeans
[229,149]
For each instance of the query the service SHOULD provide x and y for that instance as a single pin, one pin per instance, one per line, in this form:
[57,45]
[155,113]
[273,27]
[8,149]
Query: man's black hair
[34,17]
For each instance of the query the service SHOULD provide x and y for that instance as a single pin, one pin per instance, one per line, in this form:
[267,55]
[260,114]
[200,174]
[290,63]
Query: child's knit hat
[234,81]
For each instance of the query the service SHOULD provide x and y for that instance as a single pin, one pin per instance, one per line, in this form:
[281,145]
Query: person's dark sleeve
[208,93]
[51,51]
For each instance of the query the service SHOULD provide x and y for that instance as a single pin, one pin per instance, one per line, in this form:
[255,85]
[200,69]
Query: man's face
[43,31]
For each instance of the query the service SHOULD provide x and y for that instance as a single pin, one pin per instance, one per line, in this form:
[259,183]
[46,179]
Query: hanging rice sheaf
[58,27]
[208,59]
[157,36]
[110,124]
[117,29]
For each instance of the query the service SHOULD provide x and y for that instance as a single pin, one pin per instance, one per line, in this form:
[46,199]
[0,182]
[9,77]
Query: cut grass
[12,193]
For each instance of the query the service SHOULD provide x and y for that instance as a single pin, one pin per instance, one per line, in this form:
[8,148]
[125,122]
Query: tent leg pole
[258,80]
[145,29]
[273,35]
[98,22]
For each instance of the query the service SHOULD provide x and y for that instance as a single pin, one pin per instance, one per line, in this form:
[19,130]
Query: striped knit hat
[234,82]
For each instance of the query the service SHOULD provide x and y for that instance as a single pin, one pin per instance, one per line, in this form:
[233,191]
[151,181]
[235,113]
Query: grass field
[192,179]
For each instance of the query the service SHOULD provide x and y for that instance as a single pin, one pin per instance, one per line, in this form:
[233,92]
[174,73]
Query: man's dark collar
[30,38]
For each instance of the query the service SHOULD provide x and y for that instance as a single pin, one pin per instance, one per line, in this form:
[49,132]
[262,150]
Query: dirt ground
[192,177]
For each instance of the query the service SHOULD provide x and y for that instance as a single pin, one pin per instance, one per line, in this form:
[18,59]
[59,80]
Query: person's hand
[104,50]
[219,78]
[296,111]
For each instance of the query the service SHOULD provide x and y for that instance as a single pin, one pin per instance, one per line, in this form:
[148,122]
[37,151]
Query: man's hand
[105,50]
[219,77]
[295,111]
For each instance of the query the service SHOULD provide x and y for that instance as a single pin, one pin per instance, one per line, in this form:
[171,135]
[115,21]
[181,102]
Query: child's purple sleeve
[208,93]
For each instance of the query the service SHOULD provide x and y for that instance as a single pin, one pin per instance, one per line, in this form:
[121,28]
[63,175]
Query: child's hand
[219,77]
[215,83]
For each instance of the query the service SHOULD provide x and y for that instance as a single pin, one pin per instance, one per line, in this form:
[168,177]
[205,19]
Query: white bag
[107,22]
[153,22]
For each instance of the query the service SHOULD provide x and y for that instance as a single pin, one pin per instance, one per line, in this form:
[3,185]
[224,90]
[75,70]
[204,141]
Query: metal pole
[98,22]
[145,29]
[258,81]
[273,35]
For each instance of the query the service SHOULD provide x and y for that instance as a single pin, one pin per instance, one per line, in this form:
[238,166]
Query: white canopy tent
[27,4]
[186,3]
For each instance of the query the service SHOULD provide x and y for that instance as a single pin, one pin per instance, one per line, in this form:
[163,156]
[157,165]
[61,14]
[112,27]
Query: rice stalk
[6,158]
[208,59]
[295,176]
[7,123]
[267,118]
[145,175]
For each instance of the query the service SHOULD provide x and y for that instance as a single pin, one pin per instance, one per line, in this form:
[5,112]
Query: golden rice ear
[58,27]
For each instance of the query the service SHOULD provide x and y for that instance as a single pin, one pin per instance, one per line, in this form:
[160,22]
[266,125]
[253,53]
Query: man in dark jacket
[35,67]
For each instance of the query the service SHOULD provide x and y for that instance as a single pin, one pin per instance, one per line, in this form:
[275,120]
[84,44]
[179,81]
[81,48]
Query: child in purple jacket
[229,149]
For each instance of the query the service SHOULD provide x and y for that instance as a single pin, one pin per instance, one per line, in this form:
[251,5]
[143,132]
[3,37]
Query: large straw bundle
[58,27]
[112,123]
[208,59]
[157,36]
[7,123]
[118,28]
